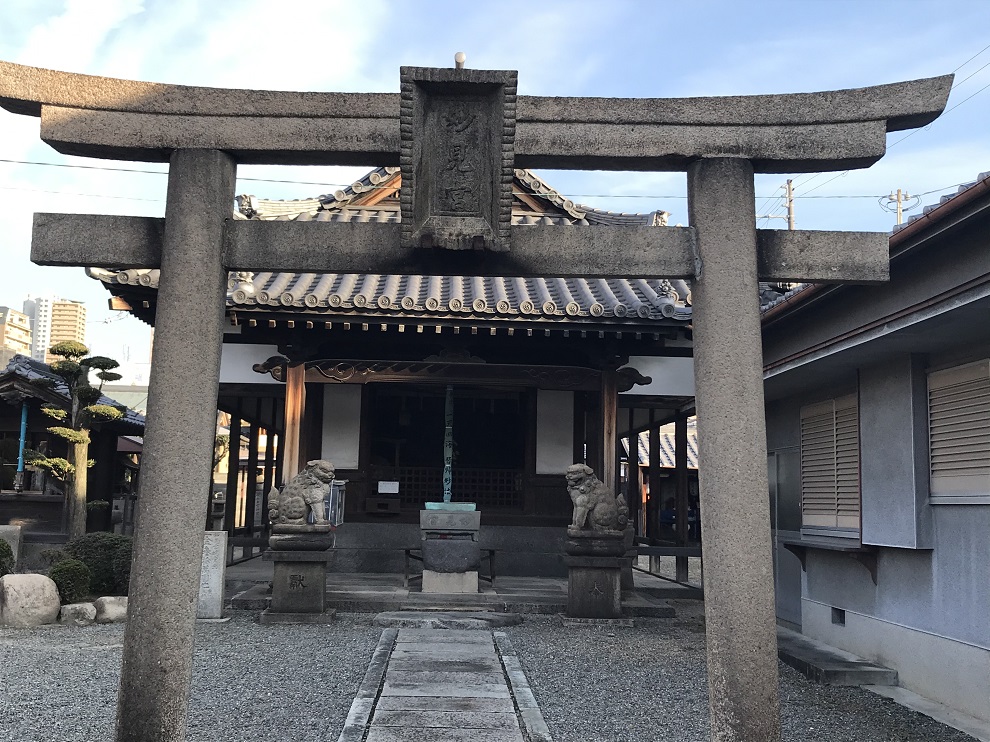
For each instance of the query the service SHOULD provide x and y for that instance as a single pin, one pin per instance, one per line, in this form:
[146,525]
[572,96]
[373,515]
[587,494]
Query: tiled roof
[631,301]
[31,370]
[776,294]
[667,446]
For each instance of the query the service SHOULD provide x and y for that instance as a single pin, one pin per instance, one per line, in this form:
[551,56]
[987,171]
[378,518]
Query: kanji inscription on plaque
[456,154]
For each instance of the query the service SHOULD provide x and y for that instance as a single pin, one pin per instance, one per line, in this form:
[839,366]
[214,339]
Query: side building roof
[52,388]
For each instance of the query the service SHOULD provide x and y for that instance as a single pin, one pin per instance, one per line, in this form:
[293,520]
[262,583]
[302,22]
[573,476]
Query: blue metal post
[19,477]
[448,442]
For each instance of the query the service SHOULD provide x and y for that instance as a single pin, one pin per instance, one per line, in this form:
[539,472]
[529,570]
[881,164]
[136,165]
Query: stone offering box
[451,549]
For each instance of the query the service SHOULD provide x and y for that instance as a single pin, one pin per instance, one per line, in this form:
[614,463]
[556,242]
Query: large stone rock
[77,614]
[111,609]
[27,600]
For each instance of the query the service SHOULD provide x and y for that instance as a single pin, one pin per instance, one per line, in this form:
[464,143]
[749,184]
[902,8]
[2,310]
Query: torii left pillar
[161,621]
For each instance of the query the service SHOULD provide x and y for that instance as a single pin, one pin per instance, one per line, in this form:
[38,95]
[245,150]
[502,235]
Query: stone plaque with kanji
[456,154]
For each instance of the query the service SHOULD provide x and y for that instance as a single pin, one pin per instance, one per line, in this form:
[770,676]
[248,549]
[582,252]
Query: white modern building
[54,320]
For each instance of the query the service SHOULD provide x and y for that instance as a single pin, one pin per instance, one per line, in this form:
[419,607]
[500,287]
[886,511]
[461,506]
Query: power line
[971,58]
[84,195]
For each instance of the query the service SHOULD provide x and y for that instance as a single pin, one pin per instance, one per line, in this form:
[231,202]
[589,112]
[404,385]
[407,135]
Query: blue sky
[634,49]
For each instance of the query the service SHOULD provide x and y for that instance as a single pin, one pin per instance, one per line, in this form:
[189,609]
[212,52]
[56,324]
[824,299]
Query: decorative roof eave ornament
[797,132]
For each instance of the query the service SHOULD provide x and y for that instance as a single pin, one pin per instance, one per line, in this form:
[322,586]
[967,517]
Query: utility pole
[790,204]
[899,198]
[789,198]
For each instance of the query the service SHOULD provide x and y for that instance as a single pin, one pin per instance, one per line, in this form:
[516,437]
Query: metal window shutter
[959,430]
[830,463]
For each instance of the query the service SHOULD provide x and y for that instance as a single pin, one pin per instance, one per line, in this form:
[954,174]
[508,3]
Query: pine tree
[74,368]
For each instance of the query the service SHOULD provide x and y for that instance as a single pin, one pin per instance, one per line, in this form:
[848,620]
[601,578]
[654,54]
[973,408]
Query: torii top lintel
[804,132]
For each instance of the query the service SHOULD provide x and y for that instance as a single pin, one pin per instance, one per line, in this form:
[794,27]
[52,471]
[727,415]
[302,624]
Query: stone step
[446,619]
[828,665]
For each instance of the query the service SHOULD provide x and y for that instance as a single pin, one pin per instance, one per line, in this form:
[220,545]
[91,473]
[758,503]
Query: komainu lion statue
[595,507]
[303,494]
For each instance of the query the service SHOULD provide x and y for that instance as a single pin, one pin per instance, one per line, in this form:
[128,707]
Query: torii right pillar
[732,452]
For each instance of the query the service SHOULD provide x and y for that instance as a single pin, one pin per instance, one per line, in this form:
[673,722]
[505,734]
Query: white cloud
[70,40]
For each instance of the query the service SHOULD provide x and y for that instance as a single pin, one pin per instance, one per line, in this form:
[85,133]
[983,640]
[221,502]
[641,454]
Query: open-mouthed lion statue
[303,494]
[595,507]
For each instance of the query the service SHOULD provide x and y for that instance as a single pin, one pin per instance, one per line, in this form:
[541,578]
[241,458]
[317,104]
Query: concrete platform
[248,588]
[828,665]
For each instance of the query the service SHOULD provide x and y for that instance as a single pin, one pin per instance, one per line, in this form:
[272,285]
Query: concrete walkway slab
[408,734]
[436,703]
[444,684]
[825,664]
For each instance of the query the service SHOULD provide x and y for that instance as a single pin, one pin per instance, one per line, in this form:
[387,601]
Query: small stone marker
[211,578]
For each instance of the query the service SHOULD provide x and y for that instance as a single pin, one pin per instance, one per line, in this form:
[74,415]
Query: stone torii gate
[457,134]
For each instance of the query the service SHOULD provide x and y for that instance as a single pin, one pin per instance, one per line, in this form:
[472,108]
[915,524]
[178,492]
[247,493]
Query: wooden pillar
[295,405]
[529,401]
[609,472]
[680,472]
[251,478]
[233,472]
[279,460]
[269,481]
[655,503]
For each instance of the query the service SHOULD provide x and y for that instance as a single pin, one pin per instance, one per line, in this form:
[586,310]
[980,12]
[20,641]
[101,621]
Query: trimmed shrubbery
[99,552]
[122,566]
[51,557]
[72,578]
[6,558]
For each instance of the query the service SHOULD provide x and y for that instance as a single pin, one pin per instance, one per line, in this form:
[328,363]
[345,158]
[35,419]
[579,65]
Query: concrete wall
[237,360]
[928,616]
[893,423]
[554,431]
[342,424]
[672,376]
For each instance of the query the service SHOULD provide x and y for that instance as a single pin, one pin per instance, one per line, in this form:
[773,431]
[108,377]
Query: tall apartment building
[54,320]
[15,331]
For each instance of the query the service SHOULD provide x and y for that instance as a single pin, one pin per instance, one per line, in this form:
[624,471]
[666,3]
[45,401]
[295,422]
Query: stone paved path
[442,684]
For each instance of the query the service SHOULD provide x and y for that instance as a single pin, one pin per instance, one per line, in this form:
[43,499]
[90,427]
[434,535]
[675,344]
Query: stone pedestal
[451,550]
[299,580]
[299,587]
[594,573]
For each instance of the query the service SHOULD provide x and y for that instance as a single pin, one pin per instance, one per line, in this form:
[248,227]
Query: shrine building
[544,372]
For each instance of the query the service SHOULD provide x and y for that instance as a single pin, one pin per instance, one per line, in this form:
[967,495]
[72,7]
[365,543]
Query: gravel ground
[59,683]
[250,682]
[650,686]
